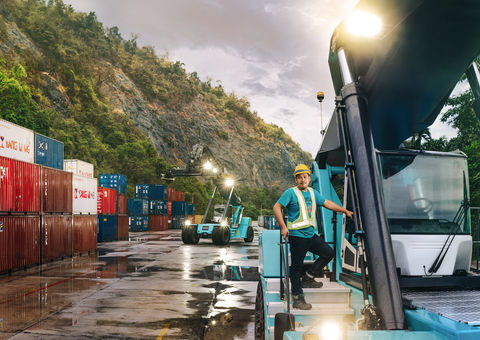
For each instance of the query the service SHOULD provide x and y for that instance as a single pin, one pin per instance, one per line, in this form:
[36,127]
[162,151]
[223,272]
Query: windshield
[218,210]
[423,192]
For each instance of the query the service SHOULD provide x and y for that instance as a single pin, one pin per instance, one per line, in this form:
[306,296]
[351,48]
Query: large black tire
[259,314]
[195,236]
[187,234]
[250,234]
[221,235]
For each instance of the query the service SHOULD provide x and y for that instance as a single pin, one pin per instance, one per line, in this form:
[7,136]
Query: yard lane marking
[162,333]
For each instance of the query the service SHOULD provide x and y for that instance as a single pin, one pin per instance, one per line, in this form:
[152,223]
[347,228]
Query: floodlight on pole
[215,170]
[229,182]
[207,165]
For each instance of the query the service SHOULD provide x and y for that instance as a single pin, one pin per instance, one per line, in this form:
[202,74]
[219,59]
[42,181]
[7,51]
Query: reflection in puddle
[230,273]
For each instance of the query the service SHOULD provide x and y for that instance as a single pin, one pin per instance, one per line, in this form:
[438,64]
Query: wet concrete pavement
[151,287]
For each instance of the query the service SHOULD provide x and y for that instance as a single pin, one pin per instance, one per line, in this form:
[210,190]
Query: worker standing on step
[301,203]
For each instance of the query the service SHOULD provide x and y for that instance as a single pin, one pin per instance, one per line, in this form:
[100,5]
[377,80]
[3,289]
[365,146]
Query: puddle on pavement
[220,272]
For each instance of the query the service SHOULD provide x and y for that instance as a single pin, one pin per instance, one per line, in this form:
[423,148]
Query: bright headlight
[207,165]
[187,222]
[330,331]
[223,223]
[363,24]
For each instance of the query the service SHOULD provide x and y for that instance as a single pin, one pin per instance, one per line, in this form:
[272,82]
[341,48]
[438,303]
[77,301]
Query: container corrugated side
[122,227]
[106,201]
[122,204]
[84,195]
[158,222]
[48,152]
[16,142]
[138,206]
[19,242]
[19,186]
[157,192]
[107,228]
[55,190]
[56,236]
[84,233]
[79,167]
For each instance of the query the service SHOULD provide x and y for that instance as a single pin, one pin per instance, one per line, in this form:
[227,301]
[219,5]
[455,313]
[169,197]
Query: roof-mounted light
[363,24]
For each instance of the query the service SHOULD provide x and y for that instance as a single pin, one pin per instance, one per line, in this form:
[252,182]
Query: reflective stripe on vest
[303,220]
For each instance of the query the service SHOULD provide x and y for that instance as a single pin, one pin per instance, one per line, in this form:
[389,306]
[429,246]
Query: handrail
[285,279]
[475,230]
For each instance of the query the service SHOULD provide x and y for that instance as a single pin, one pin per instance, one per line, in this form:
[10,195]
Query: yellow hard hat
[301,169]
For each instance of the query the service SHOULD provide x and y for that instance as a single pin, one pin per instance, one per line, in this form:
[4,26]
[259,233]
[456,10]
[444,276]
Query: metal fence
[475,224]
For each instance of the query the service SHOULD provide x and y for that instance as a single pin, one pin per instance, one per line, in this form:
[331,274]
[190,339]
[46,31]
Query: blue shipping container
[178,222]
[48,152]
[141,191]
[113,181]
[107,228]
[179,208]
[158,192]
[190,209]
[137,206]
[138,223]
[158,207]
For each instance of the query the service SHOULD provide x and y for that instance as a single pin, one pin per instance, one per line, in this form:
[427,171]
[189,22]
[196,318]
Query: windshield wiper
[459,219]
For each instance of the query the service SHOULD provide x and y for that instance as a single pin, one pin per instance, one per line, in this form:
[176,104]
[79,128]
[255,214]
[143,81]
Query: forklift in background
[228,222]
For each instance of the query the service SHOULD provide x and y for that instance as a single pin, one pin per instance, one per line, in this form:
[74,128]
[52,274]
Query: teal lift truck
[402,267]
[228,225]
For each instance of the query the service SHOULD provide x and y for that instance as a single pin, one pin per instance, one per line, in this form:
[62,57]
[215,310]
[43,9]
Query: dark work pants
[298,249]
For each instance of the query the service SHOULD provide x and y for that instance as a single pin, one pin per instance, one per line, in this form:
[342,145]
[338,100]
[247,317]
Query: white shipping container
[84,195]
[78,167]
[16,142]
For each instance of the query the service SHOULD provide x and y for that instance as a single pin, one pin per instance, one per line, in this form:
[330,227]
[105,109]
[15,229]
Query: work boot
[300,303]
[308,281]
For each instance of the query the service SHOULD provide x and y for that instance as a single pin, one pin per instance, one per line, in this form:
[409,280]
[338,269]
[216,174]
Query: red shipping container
[158,222]
[56,236]
[84,233]
[106,201]
[19,186]
[180,196]
[19,242]
[169,208]
[55,190]
[122,204]
[122,227]
[170,193]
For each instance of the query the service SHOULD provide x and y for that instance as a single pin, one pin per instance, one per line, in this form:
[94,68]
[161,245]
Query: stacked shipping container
[36,200]
[42,193]
[84,205]
[153,202]
[112,208]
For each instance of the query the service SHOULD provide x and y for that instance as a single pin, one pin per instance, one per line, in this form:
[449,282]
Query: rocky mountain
[84,72]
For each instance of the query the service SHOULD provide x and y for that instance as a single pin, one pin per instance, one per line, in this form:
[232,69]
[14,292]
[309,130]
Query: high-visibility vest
[303,220]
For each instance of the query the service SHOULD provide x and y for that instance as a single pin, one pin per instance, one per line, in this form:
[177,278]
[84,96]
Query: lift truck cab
[228,224]
[402,267]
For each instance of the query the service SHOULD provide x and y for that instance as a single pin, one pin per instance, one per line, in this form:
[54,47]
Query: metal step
[318,309]
[331,292]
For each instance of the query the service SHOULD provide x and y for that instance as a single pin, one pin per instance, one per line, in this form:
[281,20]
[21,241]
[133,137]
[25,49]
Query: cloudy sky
[274,52]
